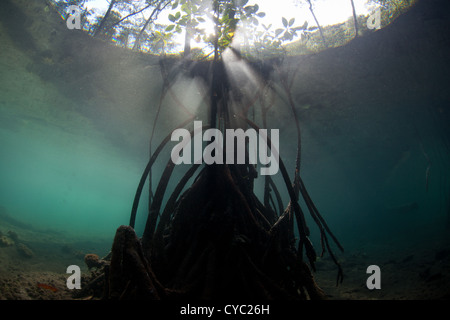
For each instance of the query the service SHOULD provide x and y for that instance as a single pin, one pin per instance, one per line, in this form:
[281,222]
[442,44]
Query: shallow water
[375,157]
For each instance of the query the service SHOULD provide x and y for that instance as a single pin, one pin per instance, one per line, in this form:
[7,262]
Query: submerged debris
[47,287]
[6,241]
[24,250]
[93,286]
[93,261]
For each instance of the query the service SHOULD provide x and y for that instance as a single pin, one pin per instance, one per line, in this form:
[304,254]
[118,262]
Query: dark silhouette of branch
[105,17]
[130,15]
[153,16]
[146,172]
[187,39]
[355,19]
[317,23]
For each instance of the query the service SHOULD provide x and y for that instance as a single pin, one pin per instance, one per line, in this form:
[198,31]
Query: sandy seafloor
[409,271]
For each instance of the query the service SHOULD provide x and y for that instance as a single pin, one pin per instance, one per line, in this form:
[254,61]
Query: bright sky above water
[328,12]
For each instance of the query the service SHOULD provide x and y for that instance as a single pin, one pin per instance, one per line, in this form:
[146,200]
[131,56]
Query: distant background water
[55,179]
[84,184]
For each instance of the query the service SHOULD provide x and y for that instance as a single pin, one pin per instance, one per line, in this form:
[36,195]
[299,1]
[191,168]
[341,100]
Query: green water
[62,169]
[54,179]
[375,140]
